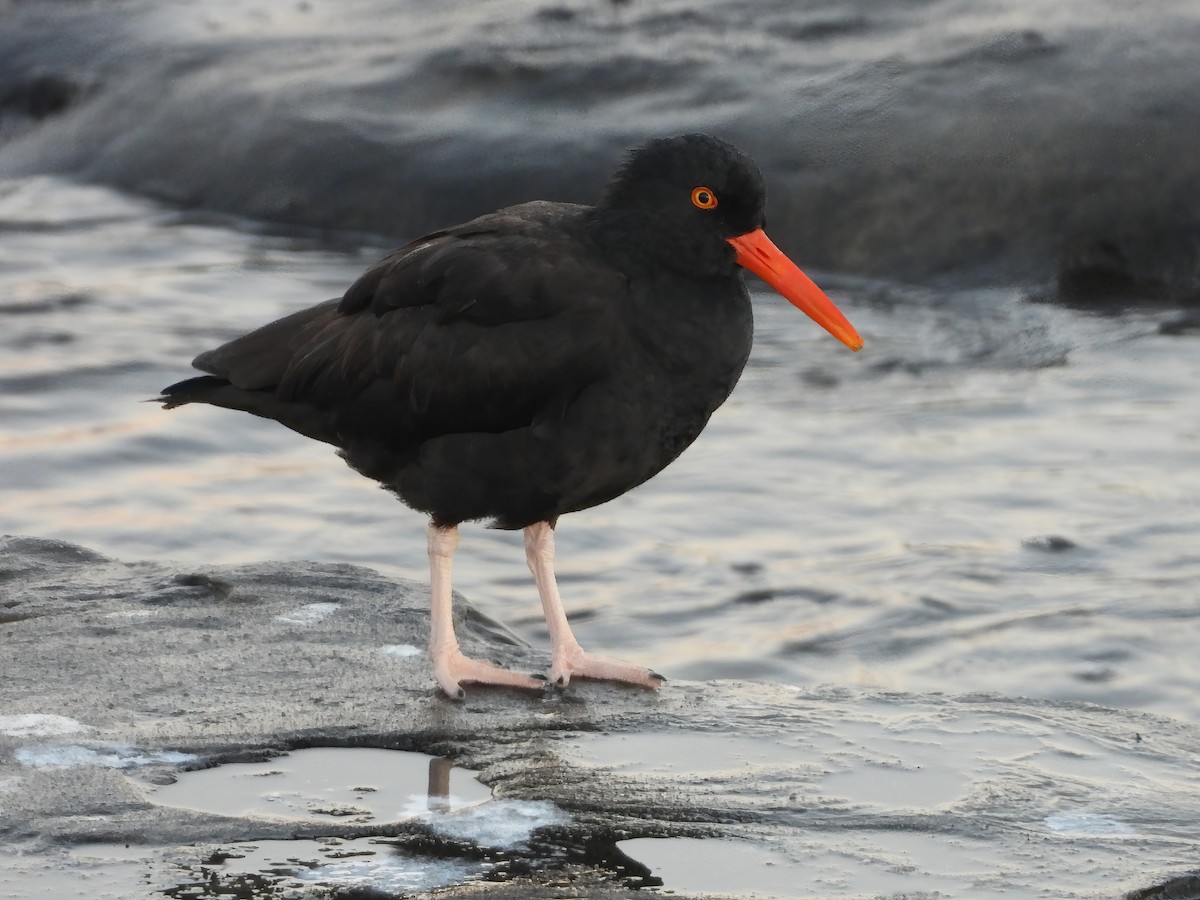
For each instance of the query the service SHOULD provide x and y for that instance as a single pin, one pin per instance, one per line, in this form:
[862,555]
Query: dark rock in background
[926,141]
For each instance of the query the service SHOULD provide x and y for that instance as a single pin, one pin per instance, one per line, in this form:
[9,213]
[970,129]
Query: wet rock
[40,96]
[1050,543]
[898,140]
[1110,277]
[1187,322]
[125,676]
[1099,274]
[1185,888]
[759,595]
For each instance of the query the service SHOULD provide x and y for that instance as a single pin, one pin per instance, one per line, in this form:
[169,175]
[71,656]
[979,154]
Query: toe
[453,670]
[585,665]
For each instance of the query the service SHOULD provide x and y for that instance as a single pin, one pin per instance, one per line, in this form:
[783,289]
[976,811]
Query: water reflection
[330,784]
[348,789]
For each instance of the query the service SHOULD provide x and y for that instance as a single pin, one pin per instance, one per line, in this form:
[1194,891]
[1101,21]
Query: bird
[535,361]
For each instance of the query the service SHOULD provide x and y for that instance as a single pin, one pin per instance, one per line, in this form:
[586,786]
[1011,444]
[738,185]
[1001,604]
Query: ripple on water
[926,467]
[979,798]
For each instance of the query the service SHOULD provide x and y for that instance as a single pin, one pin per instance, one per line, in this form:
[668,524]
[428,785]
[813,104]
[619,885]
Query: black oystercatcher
[532,362]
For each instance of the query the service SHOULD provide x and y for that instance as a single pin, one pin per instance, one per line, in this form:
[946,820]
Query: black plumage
[535,361]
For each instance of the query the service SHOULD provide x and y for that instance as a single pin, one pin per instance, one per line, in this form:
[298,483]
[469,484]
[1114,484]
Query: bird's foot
[453,670]
[573,662]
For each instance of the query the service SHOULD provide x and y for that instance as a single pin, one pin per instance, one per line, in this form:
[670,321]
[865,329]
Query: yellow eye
[704,197]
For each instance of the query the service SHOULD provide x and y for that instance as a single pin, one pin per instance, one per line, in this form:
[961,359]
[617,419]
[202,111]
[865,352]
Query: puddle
[335,787]
[250,869]
[955,804]
[276,868]
[331,784]
[892,764]
[900,773]
[93,871]
[358,786]
[348,787]
[714,866]
[878,864]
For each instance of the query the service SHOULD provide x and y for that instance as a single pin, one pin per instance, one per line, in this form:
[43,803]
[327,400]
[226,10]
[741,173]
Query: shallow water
[881,801]
[360,789]
[993,496]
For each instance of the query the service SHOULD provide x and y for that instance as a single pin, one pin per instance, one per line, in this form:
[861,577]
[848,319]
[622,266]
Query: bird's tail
[202,389]
[215,391]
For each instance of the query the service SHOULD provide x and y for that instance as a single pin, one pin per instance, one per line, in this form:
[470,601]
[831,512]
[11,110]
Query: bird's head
[704,203]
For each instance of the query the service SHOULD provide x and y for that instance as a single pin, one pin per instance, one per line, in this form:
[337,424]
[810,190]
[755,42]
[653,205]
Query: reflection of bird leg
[439,784]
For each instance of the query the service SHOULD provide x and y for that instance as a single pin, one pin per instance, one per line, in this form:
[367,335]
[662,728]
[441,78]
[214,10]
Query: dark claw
[659,677]
[539,676]
[460,694]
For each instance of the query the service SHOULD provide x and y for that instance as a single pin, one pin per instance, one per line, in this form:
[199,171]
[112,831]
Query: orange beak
[756,252]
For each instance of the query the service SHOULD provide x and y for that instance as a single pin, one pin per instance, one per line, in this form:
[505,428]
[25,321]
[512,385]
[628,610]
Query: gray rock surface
[885,792]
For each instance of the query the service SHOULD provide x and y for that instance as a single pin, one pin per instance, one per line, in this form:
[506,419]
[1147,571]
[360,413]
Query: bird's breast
[695,332]
[690,344]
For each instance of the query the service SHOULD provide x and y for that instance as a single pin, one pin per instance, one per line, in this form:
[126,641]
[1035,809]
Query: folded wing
[483,328]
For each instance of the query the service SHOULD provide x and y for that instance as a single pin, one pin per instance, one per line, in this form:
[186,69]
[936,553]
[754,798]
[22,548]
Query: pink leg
[449,664]
[568,658]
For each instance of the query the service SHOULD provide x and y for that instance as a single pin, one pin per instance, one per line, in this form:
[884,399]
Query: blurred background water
[999,494]
[993,496]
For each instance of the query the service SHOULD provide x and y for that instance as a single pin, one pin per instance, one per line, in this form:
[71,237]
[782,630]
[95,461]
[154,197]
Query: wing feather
[483,328]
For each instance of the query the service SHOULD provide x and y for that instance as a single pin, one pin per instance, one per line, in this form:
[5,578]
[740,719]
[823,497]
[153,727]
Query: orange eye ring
[704,198]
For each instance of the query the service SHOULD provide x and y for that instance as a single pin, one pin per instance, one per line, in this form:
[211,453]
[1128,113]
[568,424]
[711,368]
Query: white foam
[309,614]
[113,756]
[40,725]
[392,874]
[401,651]
[1079,824]
[359,862]
[504,824]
